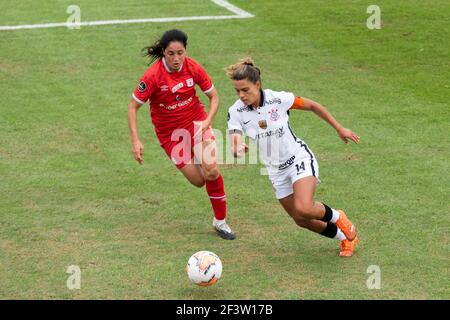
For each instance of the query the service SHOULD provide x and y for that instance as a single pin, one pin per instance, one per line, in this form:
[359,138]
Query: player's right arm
[138,148]
[238,148]
[140,95]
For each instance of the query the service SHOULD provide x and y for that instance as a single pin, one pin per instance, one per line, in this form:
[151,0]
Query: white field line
[239,14]
[238,11]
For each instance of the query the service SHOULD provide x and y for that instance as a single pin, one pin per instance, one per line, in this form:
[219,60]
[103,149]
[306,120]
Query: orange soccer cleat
[346,226]
[348,247]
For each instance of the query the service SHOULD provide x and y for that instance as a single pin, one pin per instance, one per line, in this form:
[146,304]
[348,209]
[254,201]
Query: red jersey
[172,95]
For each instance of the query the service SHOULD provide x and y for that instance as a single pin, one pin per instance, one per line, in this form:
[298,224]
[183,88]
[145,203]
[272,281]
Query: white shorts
[283,180]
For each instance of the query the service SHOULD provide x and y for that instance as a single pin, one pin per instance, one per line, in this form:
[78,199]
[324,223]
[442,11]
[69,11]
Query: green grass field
[71,193]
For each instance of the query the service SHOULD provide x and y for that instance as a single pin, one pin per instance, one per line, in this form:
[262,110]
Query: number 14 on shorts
[300,167]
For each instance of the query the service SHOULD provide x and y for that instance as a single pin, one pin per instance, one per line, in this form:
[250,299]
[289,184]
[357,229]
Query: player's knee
[304,209]
[212,173]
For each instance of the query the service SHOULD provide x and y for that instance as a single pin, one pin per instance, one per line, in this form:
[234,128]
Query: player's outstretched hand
[138,150]
[242,149]
[347,134]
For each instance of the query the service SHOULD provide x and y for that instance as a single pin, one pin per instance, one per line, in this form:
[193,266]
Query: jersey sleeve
[143,90]
[287,100]
[234,123]
[202,79]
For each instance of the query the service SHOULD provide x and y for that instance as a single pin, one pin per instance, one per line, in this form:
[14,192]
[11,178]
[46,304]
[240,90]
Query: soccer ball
[204,268]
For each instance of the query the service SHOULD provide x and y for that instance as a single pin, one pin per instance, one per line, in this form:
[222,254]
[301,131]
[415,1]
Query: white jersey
[268,126]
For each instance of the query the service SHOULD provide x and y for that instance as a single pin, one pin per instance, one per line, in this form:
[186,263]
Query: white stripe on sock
[218,197]
[335,216]
[340,235]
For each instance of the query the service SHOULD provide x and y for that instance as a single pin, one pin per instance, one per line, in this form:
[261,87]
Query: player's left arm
[213,97]
[309,105]
[203,80]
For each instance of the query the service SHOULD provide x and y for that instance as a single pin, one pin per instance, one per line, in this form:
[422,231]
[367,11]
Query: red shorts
[180,149]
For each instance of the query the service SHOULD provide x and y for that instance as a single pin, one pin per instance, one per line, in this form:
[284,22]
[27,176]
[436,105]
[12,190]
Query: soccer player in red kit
[181,123]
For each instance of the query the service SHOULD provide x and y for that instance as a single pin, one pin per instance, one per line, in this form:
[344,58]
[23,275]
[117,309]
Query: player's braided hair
[156,50]
[244,69]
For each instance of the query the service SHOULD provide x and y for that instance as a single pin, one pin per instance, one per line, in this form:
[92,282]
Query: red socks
[216,193]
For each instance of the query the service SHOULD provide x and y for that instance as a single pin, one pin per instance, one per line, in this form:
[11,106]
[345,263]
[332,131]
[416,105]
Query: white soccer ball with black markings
[204,268]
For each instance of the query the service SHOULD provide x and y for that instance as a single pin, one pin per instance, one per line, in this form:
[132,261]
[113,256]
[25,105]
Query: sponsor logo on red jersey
[177,87]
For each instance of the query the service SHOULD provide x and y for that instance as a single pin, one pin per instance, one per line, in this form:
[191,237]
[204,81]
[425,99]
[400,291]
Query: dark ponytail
[156,50]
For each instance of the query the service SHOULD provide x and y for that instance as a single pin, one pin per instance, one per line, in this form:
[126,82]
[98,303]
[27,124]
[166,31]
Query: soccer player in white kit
[263,115]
